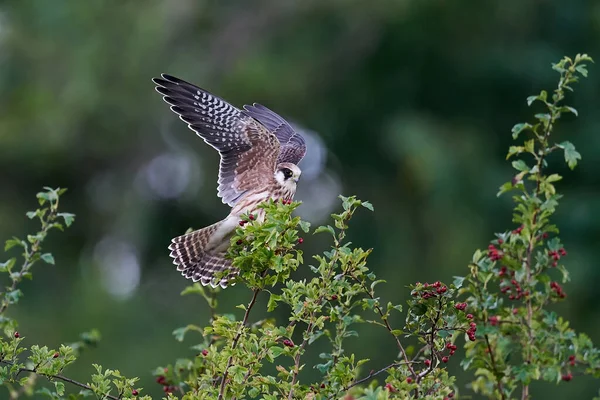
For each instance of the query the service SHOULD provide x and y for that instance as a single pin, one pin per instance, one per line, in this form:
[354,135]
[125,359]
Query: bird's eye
[287,173]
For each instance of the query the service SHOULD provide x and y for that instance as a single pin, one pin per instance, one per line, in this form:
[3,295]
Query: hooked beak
[296,180]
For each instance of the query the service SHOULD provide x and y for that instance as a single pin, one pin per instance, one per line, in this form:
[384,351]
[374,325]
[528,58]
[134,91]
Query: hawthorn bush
[500,313]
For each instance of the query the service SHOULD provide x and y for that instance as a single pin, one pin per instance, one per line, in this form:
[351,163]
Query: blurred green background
[406,103]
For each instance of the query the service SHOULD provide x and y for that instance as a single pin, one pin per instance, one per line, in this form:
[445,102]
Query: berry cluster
[572,360]
[493,253]
[288,343]
[286,201]
[471,330]
[567,377]
[452,348]
[514,290]
[558,290]
[167,388]
[518,230]
[472,325]
[435,289]
[556,255]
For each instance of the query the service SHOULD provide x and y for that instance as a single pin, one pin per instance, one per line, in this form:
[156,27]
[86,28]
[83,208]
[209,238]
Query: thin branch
[59,377]
[370,376]
[297,357]
[388,327]
[494,367]
[32,251]
[235,342]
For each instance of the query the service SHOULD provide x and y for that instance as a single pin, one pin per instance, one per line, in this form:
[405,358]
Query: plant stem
[59,377]
[370,376]
[235,342]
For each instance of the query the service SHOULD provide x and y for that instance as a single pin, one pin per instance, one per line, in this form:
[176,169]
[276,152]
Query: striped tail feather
[198,258]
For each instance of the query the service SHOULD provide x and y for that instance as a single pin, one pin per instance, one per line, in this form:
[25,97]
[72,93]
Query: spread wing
[293,147]
[248,150]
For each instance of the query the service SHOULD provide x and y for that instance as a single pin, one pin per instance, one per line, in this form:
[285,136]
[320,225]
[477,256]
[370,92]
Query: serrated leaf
[304,225]
[67,217]
[571,155]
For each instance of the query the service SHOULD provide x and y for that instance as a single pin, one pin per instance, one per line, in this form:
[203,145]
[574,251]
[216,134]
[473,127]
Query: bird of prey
[259,156]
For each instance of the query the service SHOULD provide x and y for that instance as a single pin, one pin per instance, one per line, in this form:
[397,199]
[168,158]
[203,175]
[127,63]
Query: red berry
[322,385]
[204,352]
[134,392]
[469,316]
[300,240]
[56,354]
[334,297]
[161,380]
[449,346]
[567,377]
[242,223]
[428,362]
[445,359]
[17,335]
[562,252]
[571,357]
[515,311]
[500,241]
[390,388]
[451,394]
[239,242]
[545,235]
[409,380]
[288,343]
[251,217]
[452,352]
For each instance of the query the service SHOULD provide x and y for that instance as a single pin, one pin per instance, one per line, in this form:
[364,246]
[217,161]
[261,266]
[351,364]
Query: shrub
[500,313]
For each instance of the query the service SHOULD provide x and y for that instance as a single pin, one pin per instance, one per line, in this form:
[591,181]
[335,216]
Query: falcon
[259,155]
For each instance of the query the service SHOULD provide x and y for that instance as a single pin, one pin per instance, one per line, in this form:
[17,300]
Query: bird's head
[287,175]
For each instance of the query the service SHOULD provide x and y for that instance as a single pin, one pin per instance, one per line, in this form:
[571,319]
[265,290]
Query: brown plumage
[259,156]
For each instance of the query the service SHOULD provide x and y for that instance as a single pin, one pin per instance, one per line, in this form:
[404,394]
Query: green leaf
[571,155]
[276,351]
[67,217]
[520,165]
[48,258]
[569,109]
[10,243]
[518,128]
[305,226]
[540,97]
[327,228]
[367,205]
[272,304]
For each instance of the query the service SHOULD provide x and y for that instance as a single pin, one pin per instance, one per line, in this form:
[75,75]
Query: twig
[235,342]
[297,358]
[59,377]
[371,375]
[388,327]
[29,253]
